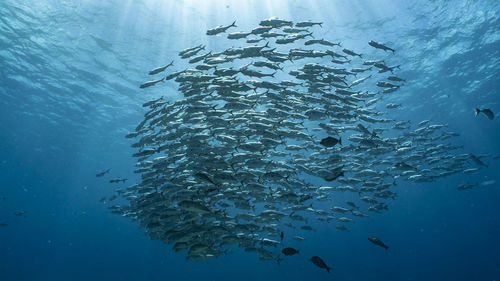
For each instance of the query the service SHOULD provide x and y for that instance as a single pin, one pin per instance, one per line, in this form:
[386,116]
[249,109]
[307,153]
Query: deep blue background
[68,94]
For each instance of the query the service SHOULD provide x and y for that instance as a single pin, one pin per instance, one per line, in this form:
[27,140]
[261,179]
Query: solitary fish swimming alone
[320,263]
[377,242]
[487,112]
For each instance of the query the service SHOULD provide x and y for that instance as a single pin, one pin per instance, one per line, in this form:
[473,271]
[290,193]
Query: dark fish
[4,198]
[377,242]
[3,224]
[102,173]
[331,141]
[335,174]
[160,69]
[289,251]
[282,235]
[204,177]
[404,166]
[487,112]
[320,263]
[477,160]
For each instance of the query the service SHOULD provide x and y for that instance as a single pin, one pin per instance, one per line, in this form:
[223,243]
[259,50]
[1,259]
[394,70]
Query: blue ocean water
[69,78]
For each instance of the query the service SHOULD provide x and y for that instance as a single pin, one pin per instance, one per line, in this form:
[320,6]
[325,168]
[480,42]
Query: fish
[289,251]
[102,173]
[117,180]
[351,53]
[151,83]
[19,213]
[308,24]
[477,160]
[331,141]
[3,224]
[334,174]
[396,79]
[317,261]
[238,35]
[275,22]
[321,42]
[204,177]
[160,69]
[486,112]
[466,185]
[185,51]
[220,29]
[380,46]
[377,242]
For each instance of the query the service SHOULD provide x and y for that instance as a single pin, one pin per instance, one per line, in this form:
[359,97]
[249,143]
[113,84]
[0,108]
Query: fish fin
[328,269]
[477,110]
[340,140]
[386,247]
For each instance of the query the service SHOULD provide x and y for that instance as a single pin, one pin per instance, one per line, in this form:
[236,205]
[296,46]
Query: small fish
[396,79]
[487,112]
[478,161]
[3,224]
[351,53]
[331,141]
[151,83]
[489,182]
[117,180]
[282,235]
[298,238]
[308,24]
[377,242]
[102,173]
[289,251]
[319,263]
[220,29]
[204,177]
[19,213]
[380,46]
[160,69]
[466,185]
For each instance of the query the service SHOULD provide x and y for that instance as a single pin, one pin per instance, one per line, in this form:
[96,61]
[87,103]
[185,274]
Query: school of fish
[272,135]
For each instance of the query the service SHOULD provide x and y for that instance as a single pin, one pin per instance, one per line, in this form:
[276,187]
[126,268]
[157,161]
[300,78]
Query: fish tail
[477,110]
[328,269]
[233,24]
[267,45]
[386,247]
[340,140]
